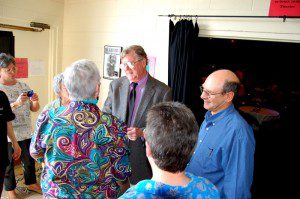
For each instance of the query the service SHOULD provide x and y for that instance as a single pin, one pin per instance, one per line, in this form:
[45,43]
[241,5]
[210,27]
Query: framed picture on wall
[111,62]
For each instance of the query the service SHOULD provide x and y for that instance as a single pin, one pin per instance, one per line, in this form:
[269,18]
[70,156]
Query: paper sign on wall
[36,68]
[284,7]
[151,65]
[22,65]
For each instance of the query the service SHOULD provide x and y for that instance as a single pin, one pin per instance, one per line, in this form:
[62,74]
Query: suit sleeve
[107,107]
[168,95]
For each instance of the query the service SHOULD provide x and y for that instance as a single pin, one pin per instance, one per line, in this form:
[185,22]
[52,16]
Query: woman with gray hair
[57,80]
[60,91]
[83,149]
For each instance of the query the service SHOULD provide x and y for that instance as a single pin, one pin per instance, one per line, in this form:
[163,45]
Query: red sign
[22,65]
[284,7]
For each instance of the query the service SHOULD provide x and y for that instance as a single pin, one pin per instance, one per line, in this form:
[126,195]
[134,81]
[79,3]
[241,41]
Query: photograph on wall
[111,63]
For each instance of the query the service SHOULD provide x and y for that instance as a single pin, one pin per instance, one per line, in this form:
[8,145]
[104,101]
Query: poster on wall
[284,8]
[111,62]
[22,65]
[151,65]
[37,68]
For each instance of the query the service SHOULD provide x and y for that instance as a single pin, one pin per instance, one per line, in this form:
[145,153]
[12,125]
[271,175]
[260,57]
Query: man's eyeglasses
[129,64]
[208,93]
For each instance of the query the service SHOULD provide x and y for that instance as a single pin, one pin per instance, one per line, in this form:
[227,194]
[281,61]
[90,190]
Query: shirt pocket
[209,159]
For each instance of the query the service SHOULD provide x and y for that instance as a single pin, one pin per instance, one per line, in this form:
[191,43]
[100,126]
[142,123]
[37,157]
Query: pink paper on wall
[284,7]
[22,65]
[151,65]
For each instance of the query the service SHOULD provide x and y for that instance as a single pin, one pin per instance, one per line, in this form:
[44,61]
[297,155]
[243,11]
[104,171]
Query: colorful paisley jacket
[84,152]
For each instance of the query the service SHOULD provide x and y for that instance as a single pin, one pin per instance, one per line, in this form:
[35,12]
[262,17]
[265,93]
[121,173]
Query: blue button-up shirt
[225,153]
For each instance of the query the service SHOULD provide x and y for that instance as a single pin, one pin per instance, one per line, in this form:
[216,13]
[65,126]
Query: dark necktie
[131,101]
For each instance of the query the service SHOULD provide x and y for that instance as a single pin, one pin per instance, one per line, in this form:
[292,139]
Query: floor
[21,189]
[29,195]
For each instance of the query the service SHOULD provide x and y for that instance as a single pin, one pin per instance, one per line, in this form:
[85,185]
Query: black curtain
[183,73]
[7,43]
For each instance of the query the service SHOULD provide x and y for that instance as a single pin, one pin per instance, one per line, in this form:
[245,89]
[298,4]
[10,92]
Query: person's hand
[34,105]
[34,98]
[22,99]
[133,133]
[17,151]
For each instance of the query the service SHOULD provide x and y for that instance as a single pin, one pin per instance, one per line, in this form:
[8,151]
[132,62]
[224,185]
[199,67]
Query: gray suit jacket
[116,104]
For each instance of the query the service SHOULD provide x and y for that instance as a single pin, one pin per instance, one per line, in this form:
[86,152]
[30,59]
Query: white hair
[57,80]
[81,79]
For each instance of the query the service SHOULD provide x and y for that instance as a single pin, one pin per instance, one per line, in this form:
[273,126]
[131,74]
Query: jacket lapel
[124,94]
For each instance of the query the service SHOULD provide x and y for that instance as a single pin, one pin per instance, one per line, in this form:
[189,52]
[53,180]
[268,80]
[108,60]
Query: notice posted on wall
[151,65]
[22,65]
[36,68]
[284,8]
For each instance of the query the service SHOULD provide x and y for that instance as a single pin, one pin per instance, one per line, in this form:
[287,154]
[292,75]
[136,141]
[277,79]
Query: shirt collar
[143,81]
[212,118]
[94,101]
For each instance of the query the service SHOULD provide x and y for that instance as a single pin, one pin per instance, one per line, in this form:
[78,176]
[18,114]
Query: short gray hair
[6,60]
[57,80]
[81,79]
[231,86]
[138,51]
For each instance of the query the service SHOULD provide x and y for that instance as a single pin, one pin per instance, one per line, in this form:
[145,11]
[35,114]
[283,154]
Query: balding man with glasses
[129,98]
[225,149]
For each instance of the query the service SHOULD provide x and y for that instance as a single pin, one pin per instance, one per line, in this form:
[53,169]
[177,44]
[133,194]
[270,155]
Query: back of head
[81,79]
[6,60]
[171,133]
[57,80]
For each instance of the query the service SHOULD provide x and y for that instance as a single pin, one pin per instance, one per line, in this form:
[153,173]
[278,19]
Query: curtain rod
[284,17]
[20,28]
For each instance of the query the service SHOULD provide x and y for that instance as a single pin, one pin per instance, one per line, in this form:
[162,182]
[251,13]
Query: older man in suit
[129,98]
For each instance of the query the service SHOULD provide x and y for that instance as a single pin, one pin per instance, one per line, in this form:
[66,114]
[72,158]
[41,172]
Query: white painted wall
[43,46]
[91,24]
[81,28]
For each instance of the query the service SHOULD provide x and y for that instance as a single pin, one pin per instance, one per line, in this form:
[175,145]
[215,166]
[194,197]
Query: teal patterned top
[198,187]
[84,150]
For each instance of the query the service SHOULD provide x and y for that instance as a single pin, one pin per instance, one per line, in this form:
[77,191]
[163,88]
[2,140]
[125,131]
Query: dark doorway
[7,43]
[270,80]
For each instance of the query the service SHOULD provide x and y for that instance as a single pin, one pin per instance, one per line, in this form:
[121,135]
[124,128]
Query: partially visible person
[84,150]
[129,98]
[6,129]
[225,150]
[21,105]
[171,135]
[241,98]
[60,92]
[275,98]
